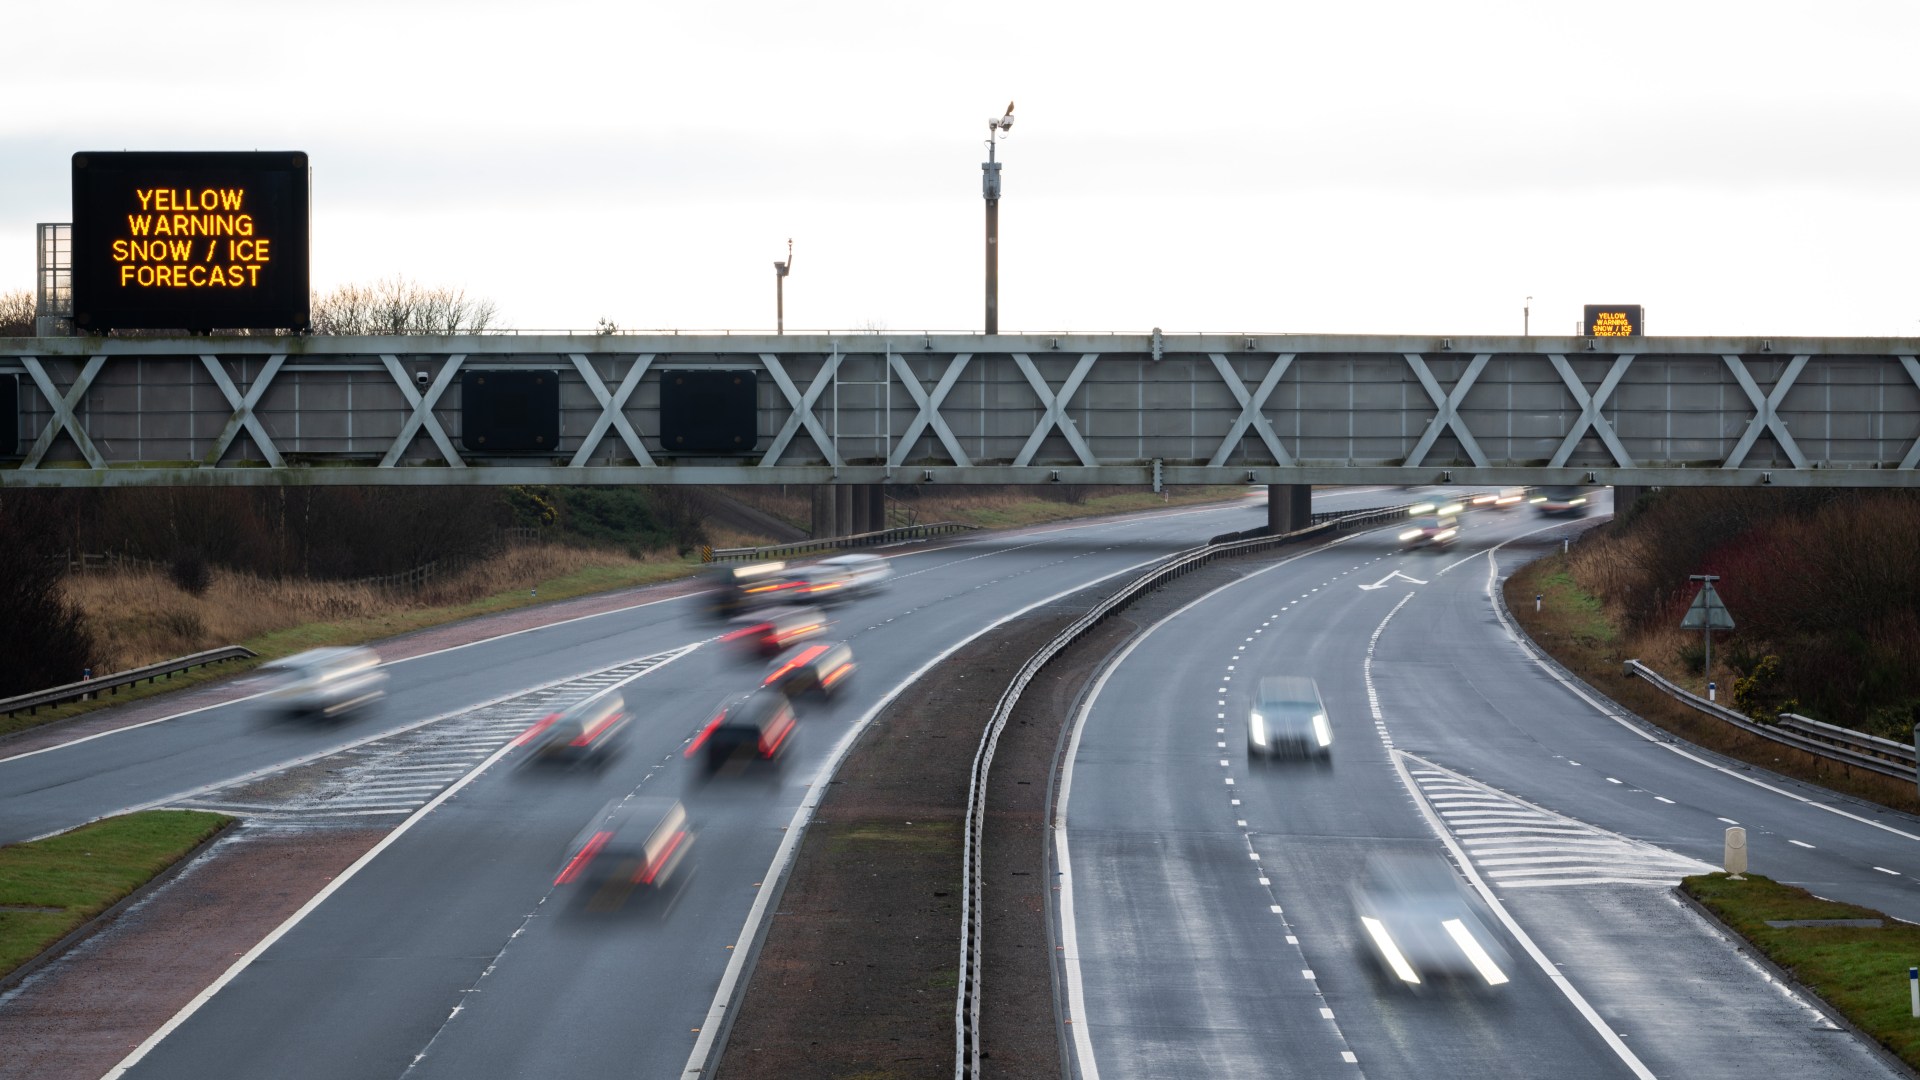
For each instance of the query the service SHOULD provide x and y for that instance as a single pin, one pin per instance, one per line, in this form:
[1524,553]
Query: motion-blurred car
[1510,498]
[842,577]
[740,589]
[773,631]
[325,684]
[643,841]
[587,732]
[865,573]
[1288,719]
[819,669]
[1421,922]
[752,729]
[1433,531]
[1561,502]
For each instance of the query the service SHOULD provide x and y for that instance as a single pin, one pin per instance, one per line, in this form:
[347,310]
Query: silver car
[326,684]
[1421,922]
[1288,719]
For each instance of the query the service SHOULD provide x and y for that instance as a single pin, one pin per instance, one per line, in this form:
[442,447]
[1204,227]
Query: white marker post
[1736,854]
[1913,984]
[1536,601]
[1711,689]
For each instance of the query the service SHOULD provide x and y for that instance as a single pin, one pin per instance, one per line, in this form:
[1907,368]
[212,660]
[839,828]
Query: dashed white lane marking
[1664,799]
[1884,870]
[1729,821]
[1800,843]
[1347,1056]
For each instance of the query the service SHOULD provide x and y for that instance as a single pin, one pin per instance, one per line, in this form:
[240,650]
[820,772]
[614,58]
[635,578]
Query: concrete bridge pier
[1289,507]
[1625,495]
[846,509]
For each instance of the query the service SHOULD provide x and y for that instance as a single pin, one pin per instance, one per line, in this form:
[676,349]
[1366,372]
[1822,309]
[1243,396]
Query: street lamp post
[780,270]
[997,129]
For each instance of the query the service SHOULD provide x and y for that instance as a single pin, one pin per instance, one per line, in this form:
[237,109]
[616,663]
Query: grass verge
[1573,628]
[1860,972]
[50,887]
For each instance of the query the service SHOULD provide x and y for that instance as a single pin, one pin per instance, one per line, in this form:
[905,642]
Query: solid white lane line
[247,959]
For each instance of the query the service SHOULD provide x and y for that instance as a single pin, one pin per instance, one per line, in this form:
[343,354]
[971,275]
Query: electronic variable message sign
[190,241]
[1614,320]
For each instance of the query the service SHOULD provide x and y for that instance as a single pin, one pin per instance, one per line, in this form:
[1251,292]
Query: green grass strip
[1861,972]
[48,888]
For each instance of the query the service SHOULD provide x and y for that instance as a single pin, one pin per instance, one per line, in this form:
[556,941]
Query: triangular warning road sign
[1707,612]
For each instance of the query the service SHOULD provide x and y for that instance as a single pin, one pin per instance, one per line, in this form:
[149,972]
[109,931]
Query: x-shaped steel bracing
[243,407]
[1913,372]
[422,415]
[1448,405]
[929,414]
[1590,416]
[1055,409]
[802,408]
[1766,416]
[63,415]
[612,409]
[1250,409]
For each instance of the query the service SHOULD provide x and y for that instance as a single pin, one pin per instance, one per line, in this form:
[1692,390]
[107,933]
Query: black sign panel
[190,241]
[704,410]
[9,415]
[510,412]
[1613,320]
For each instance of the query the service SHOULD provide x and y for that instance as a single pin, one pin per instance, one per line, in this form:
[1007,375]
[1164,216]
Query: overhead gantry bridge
[911,409]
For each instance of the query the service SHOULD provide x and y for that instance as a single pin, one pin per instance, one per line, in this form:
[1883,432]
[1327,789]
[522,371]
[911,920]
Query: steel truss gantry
[1273,409]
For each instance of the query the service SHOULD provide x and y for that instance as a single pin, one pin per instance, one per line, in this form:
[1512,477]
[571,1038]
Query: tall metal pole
[990,188]
[1526,319]
[780,271]
[997,127]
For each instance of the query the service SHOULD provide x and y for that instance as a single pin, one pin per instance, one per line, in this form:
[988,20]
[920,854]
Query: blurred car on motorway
[1431,531]
[740,589]
[773,631]
[642,841]
[1504,499]
[325,684]
[1421,922]
[587,732]
[750,729]
[1561,502]
[843,577]
[1288,719]
[817,669]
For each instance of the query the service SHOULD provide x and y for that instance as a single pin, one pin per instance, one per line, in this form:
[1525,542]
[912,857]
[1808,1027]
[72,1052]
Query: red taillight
[586,737]
[652,870]
[700,739]
[748,631]
[836,675]
[580,861]
[528,735]
[772,737]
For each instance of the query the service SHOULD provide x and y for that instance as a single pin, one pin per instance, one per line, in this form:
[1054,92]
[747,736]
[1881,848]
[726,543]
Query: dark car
[775,630]
[741,589]
[818,669]
[752,729]
[1420,921]
[1562,502]
[588,732]
[641,841]
[1288,719]
[1433,530]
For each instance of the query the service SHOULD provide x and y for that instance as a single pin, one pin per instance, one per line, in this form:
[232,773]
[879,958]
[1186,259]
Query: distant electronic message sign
[190,241]
[1614,320]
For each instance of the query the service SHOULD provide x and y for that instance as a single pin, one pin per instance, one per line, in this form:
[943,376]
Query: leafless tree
[16,313]
[398,306]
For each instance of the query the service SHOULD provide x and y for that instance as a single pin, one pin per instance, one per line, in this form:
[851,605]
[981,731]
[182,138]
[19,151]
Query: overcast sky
[1387,167]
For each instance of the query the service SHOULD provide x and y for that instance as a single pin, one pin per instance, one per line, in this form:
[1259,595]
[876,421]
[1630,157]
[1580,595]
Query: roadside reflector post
[1711,691]
[1913,986]
[1736,854]
[1536,601]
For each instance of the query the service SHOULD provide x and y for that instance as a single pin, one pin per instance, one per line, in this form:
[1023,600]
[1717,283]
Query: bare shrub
[189,571]
[44,637]
[398,306]
[16,313]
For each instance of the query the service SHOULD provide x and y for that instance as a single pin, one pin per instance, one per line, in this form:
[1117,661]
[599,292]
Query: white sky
[1386,167]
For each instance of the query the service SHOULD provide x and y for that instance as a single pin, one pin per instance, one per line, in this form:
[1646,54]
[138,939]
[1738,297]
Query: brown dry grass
[140,617]
[1575,629]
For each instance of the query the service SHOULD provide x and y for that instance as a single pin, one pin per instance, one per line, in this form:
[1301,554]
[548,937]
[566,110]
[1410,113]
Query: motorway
[450,951]
[1205,918]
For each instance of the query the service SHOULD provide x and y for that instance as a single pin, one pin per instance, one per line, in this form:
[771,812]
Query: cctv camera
[420,377]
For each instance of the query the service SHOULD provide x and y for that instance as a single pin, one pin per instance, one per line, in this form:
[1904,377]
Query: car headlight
[1322,731]
[1576,502]
[1383,941]
[1476,954]
[1257,729]
[1410,534]
[1421,508]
